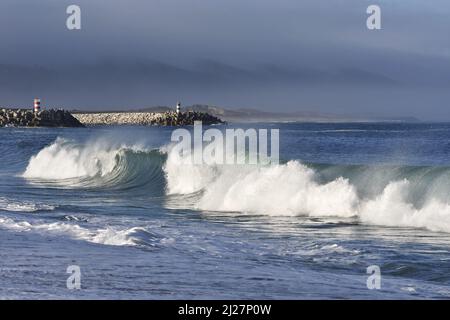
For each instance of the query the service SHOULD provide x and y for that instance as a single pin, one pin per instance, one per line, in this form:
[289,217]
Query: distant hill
[254,115]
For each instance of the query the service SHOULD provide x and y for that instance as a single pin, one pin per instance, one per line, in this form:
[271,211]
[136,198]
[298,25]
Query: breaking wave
[401,196]
[96,165]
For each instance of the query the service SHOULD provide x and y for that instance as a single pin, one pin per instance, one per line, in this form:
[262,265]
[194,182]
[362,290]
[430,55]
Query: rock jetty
[147,118]
[45,118]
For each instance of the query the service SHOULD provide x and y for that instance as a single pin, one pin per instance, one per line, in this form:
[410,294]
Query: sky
[283,55]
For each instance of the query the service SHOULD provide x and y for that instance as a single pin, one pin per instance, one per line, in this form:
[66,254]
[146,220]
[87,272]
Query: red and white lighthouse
[37,105]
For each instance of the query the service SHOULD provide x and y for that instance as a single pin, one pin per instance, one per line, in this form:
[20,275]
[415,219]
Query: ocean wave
[97,164]
[401,196]
[389,196]
[392,208]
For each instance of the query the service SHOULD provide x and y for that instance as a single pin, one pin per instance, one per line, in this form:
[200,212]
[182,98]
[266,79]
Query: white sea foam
[287,189]
[392,209]
[183,177]
[23,206]
[65,159]
[107,236]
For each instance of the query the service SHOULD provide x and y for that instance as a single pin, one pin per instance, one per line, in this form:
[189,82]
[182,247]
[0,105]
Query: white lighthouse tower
[37,105]
[178,107]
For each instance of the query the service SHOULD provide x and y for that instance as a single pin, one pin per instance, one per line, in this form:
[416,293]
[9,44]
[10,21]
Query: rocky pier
[63,118]
[45,118]
[147,118]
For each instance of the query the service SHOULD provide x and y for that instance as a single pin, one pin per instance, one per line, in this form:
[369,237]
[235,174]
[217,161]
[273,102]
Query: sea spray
[236,146]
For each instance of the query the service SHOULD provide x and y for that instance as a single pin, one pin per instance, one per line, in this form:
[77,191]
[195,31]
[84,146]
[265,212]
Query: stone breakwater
[45,118]
[146,118]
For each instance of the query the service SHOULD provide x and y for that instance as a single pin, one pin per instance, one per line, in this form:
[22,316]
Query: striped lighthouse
[37,105]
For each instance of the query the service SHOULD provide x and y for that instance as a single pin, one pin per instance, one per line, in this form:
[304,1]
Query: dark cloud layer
[275,55]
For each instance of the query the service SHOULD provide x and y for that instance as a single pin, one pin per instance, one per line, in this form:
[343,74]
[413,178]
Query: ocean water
[141,223]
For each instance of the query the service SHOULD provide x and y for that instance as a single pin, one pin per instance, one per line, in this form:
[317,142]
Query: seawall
[146,118]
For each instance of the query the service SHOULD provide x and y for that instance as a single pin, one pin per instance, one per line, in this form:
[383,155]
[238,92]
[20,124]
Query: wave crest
[99,164]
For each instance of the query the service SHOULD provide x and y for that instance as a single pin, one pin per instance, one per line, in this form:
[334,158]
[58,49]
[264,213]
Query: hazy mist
[284,55]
